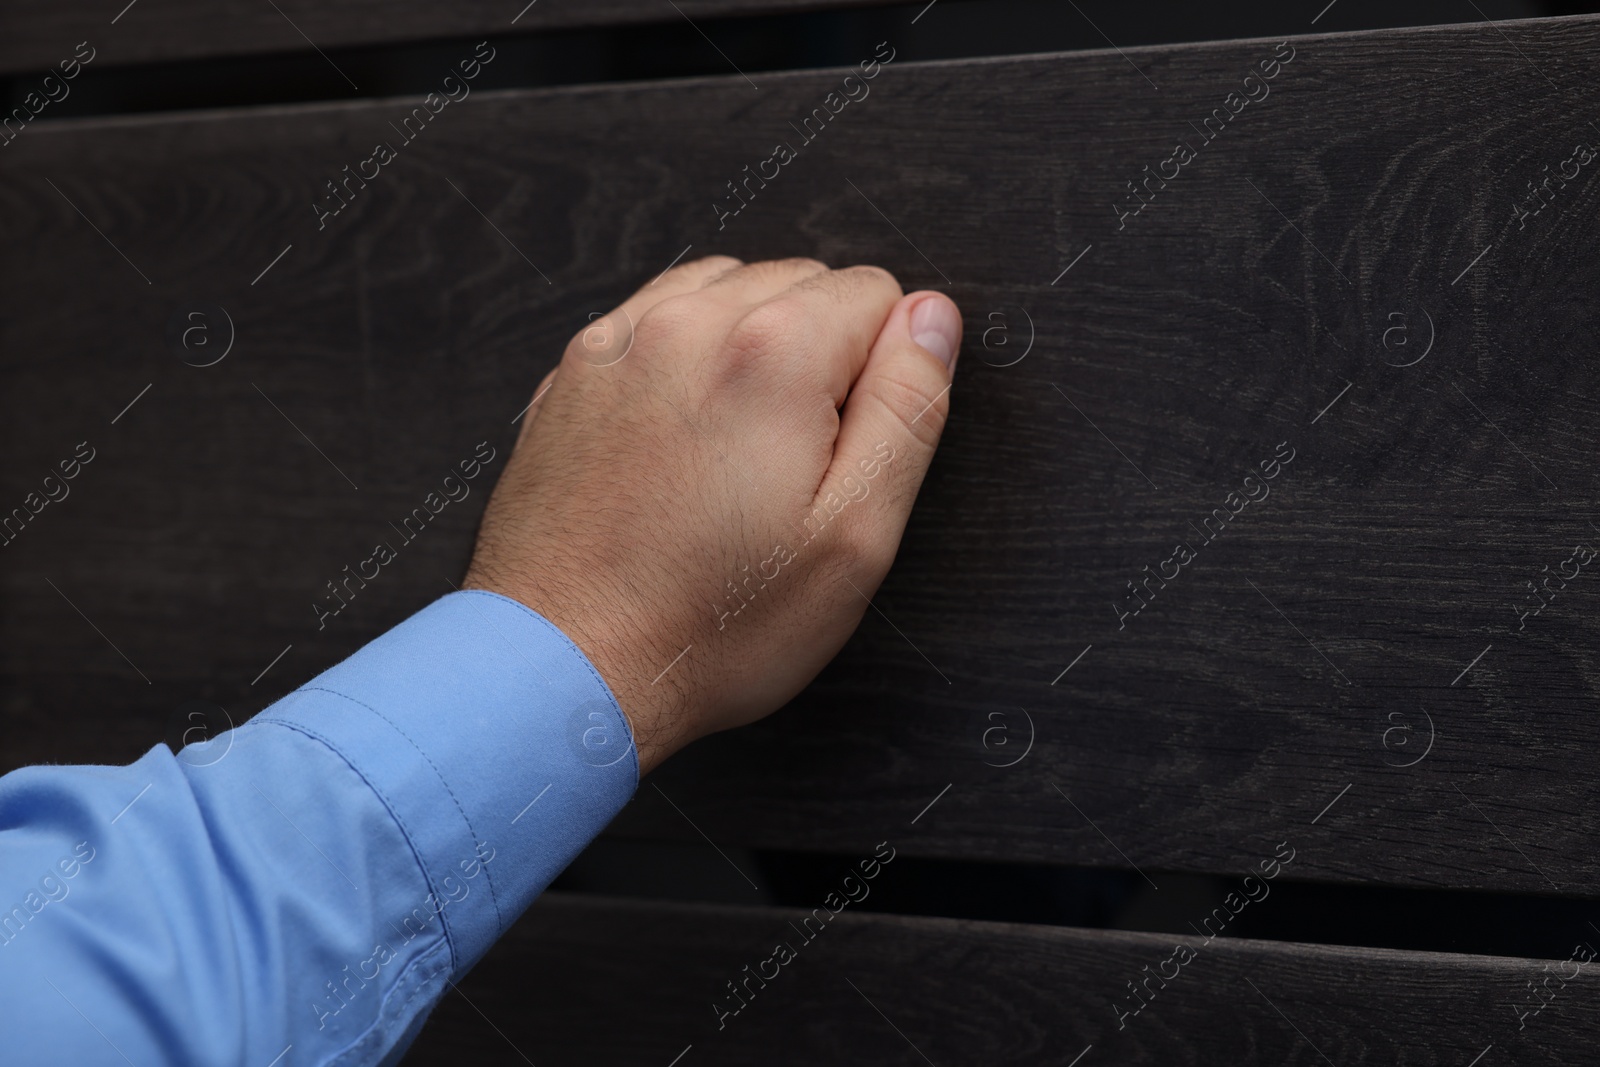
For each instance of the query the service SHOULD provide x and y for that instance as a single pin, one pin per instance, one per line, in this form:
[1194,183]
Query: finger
[891,424]
[685,278]
[732,291]
[836,316]
[754,283]
[607,338]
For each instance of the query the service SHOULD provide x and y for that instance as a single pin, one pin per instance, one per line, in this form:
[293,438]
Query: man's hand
[716,477]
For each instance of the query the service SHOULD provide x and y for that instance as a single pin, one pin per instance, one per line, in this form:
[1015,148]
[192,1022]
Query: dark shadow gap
[949,29]
[1284,909]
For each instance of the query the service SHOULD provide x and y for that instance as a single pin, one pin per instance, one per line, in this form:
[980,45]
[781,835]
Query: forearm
[317,877]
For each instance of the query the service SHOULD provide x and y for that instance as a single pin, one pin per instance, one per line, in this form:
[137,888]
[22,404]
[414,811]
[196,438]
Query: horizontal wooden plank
[994,705]
[39,37]
[180,30]
[588,981]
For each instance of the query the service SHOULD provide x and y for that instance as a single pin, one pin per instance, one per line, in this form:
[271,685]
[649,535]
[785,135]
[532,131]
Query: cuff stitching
[405,831]
[493,897]
[422,977]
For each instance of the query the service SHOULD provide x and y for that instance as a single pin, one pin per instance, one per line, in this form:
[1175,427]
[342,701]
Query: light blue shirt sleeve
[303,889]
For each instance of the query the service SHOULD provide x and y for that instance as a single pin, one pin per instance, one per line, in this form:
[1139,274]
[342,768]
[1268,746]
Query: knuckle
[857,550]
[577,345]
[598,339]
[868,548]
[804,264]
[919,408]
[766,272]
[717,262]
[840,286]
[705,267]
[670,319]
[864,277]
[766,329]
[877,272]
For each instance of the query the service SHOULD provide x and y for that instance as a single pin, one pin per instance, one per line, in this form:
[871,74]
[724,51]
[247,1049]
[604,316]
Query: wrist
[652,702]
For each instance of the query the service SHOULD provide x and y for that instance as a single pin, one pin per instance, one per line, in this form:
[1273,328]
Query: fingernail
[936,326]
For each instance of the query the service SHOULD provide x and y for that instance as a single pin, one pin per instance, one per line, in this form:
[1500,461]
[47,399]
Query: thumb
[902,398]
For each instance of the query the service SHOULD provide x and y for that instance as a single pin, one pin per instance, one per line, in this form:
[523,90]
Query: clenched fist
[716,477]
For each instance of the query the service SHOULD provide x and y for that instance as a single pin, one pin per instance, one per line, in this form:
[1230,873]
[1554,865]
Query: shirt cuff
[493,742]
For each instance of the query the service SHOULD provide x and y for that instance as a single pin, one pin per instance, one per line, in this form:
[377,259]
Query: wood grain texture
[967,992]
[1247,306]
[39,36]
